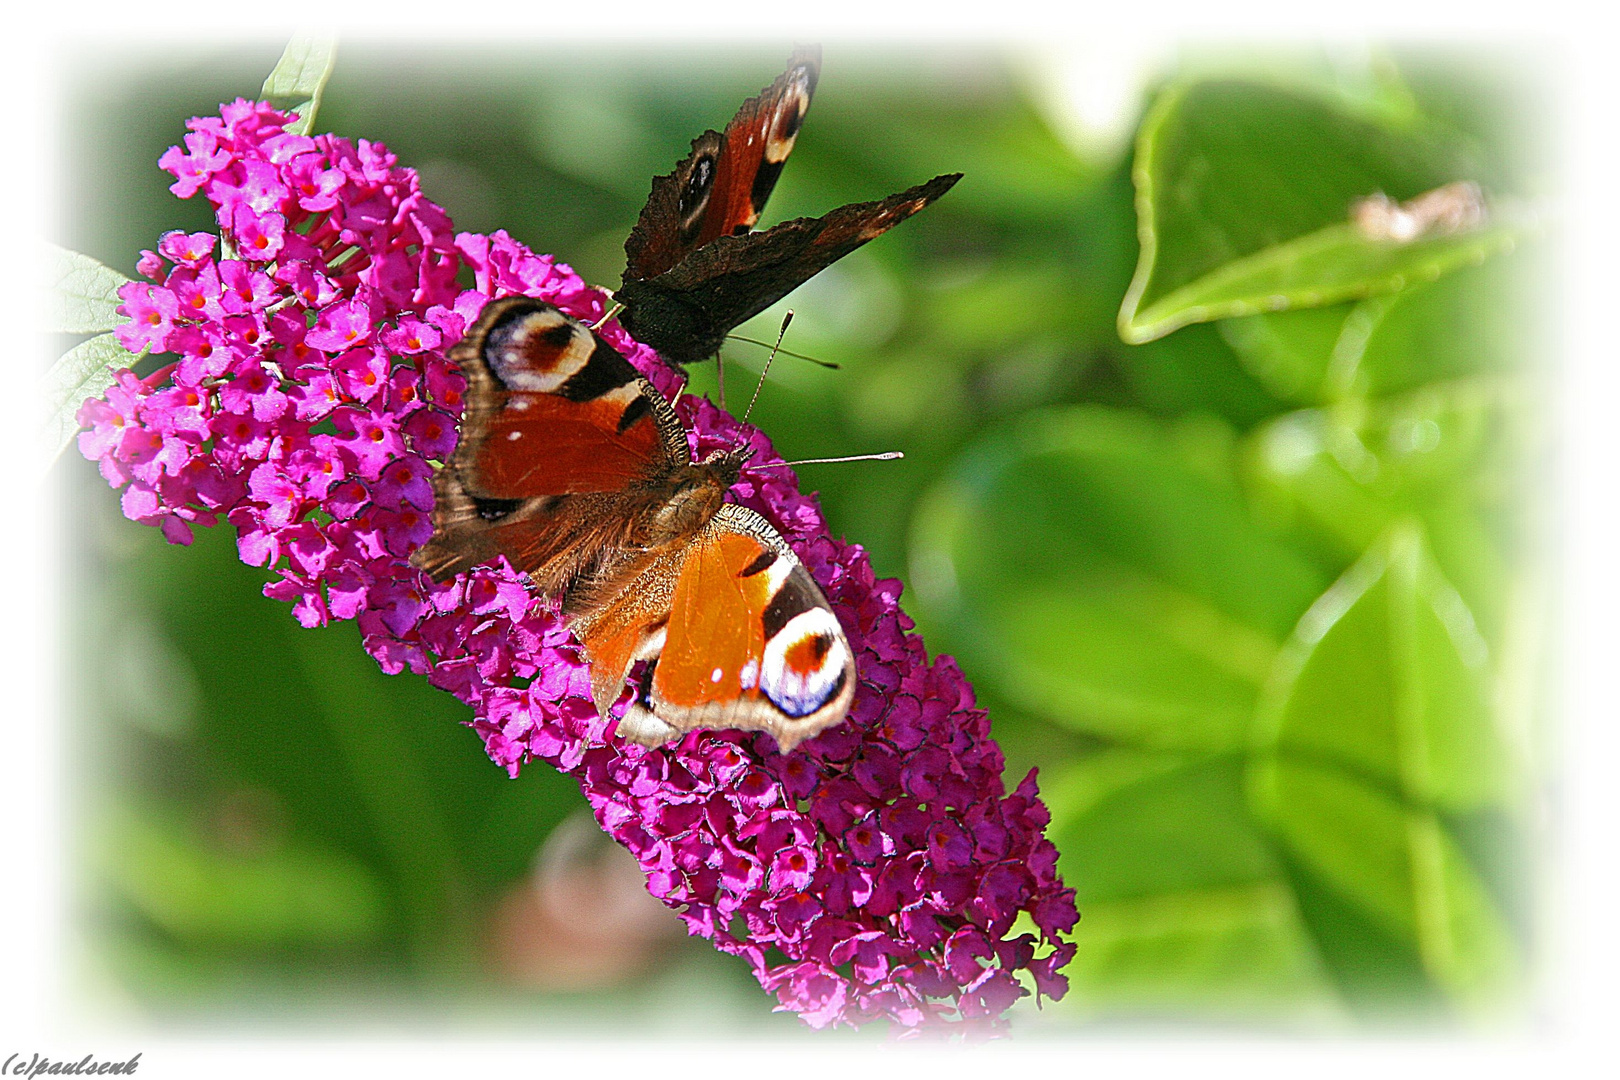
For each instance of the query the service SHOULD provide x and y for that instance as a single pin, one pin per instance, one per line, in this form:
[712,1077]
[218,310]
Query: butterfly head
[726,465]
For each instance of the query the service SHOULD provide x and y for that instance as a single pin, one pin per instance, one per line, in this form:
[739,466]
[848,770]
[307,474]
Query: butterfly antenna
[786,319]
[786,352]
[890,455]
[612,311]
[720,379]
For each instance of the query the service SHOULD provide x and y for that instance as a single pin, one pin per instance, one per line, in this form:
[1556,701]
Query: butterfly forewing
[686,313]
[558,435]
[721,187]
[565,412]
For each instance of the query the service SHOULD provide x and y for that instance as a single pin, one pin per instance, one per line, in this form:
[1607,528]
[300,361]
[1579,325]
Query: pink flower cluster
[876,873]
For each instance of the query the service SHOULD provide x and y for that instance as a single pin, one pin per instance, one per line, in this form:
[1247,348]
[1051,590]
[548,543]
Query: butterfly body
[575,468]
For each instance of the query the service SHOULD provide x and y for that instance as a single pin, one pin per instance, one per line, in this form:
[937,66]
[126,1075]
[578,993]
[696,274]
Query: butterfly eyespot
[695,196]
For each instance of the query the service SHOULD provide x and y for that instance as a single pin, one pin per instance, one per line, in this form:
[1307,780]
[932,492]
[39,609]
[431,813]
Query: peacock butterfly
[577,470]
[693,267]
[574,467]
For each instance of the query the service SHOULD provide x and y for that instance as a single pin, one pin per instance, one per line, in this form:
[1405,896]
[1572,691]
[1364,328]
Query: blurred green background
[1259,595]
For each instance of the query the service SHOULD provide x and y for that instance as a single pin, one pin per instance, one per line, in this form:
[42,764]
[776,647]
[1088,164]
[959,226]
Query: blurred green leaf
[296,82]
[1288,351]
[1478,321]
[1136,824]
[1451,454]
[1378,718]
[1195,371]
[1395,862]
[83,298]
[1108,580]
[1181,900]
[84,371]
[1228,951]
[1243,197]
[293,895]
[1386,677]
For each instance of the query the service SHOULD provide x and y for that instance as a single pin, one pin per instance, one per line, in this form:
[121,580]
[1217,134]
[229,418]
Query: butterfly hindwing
[750,642]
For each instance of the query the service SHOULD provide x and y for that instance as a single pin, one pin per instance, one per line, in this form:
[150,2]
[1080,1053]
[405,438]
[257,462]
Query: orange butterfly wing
[750,642]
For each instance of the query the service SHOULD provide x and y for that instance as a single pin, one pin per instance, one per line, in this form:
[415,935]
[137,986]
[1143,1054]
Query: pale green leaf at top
[296,82]
[1329,266]
[83,298]
[84,371]
[1479,319]
[1244,192]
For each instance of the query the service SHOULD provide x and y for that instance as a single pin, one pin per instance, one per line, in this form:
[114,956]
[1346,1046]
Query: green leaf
[1476,320]
[84,299]
[1243,199]
[296,82]
[84,371]
[1395,862]
[1328,266]
[1377,722]
[1288,351]
[1181,900]
[1103,572]
[1195,371]
[1386,677]
[1230,951]
[1453,455]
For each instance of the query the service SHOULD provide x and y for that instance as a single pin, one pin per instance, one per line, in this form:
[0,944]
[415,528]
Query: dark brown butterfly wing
[721,187]
[686,312]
